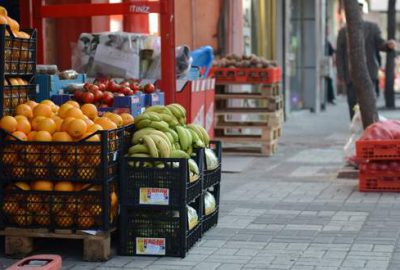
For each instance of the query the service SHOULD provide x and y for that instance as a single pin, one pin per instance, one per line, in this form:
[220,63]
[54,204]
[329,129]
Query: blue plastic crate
[60,99]
[156,98]
[134,103]
[51,85]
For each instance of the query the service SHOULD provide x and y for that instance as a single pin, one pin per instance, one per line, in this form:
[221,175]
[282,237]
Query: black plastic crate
[93,207]
[92,162]
[145,185]
[17,54]
[14,95]
[157,232]
[211,220]
[213,177]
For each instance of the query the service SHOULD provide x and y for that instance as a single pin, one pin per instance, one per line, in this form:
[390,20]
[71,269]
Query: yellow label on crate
[154,196]
[150,246]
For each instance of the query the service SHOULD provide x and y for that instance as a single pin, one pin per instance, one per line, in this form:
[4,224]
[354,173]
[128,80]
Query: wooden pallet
[269,120]
[271,106]
[267,135]
[262,149]
[19,242]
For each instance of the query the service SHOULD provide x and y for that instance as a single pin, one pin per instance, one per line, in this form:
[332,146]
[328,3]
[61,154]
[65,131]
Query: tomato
[149,88]
[87,97]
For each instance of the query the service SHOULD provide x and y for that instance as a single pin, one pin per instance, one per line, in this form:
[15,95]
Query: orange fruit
[89,110]
[42,185]
[115,118]
[32,104]
[114,199]
[31,135]
[34,203]
[74,112]
[35,122]
[23,217]
[85,219]
[3,12]
[48,125]
[43,136]
[64,219]
[93,128]
[42,217]
[8,123]
[63,170]
[77,128]
[10,207]
[66,122]
[63,109]
[42,110]
[14,25]
[64,186]
[73,103]
[58,122]
[23,186]
[20,117]
[127,119]
[25,110]
[94,138]
[20,135]
[62,137]
[50,103]
[88,122]
[105,123]
[23,125]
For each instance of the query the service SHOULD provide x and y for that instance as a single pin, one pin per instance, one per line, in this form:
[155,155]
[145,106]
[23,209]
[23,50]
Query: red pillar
[137,23]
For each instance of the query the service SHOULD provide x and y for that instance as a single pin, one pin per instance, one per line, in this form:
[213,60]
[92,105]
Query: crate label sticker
[157,196]
[150,246]
[115,156]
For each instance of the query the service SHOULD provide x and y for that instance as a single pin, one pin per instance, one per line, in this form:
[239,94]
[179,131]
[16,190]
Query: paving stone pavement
[288,212]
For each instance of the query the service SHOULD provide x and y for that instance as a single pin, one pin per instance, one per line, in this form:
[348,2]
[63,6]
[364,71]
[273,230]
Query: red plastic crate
[379,182]
[244,75]
[377,150]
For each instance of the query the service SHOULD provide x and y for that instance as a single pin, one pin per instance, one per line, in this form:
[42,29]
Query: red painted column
[137,23]
[25,11]
[168,60]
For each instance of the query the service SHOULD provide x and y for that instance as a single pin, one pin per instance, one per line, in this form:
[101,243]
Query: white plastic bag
[209,203]
[356,129]
[193,217]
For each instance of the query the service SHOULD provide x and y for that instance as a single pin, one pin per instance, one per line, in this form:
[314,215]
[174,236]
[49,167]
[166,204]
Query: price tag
[150,246]
[154,196]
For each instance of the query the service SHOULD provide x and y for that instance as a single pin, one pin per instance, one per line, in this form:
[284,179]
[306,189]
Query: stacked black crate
[154,215]
[17,68]
[212,185]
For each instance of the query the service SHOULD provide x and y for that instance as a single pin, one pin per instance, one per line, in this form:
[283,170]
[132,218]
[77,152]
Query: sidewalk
[290,212]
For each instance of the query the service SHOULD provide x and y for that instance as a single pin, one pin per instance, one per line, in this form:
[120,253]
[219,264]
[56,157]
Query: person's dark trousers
[351,99]
[377,90]
[330,95]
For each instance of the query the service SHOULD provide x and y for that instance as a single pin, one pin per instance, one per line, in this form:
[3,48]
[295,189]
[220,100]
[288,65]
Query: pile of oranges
[45,122]
[14,25]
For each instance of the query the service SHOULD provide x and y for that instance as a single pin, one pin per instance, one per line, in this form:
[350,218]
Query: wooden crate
[267,134]
[266,104]
[19,242]
[348,172]
[267,120]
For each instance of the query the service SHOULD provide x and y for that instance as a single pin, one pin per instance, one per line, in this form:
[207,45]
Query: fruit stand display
[162,178]
[18,64]
[59,171]
[248,122]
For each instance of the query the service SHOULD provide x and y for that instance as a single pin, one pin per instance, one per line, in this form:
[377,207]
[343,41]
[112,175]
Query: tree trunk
[390,58]
[358,63]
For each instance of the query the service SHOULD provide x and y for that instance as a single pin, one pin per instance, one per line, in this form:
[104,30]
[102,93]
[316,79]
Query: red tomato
[149,88]
[87,97]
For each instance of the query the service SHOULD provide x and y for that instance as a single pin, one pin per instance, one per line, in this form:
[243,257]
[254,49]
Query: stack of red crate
[379,165]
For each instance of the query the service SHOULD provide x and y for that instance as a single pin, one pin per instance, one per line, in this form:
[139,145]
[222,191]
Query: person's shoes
[332,102]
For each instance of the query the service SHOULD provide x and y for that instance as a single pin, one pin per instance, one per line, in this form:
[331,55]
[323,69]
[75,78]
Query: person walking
[330,92]
[373,44]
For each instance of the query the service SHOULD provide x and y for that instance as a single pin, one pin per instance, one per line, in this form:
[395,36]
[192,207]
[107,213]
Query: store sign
[150,246]
[154,196]
[139,9]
